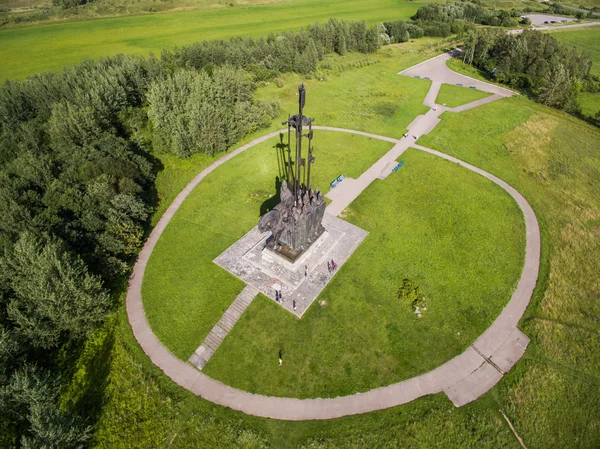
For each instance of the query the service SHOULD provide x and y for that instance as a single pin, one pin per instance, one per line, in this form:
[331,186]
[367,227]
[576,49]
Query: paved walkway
[463,379]
[215,337]
[437,71]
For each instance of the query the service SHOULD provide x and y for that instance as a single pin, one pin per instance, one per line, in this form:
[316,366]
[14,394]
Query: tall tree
[51,297]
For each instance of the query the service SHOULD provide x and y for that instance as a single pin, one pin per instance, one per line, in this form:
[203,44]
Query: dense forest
[534,62]
[77,168]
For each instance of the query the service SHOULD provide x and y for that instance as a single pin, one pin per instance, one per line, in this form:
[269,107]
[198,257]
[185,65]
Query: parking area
[545,19]
[435,69]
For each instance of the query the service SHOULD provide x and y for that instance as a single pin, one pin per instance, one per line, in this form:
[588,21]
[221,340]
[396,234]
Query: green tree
[32,396]
[73,126]
[560,91]
[51,298]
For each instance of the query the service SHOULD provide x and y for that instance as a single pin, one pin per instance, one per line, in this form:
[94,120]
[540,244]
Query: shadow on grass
[87,368]
[282,169]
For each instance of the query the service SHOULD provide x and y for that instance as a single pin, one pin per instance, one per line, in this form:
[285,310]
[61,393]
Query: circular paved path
[463,379]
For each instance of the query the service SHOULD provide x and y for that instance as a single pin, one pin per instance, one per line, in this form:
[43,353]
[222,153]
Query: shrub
[409,293]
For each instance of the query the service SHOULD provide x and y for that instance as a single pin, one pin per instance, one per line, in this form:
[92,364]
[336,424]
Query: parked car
[553,21]
[546,22]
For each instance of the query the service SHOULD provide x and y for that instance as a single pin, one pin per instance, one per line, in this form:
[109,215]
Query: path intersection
[463,379]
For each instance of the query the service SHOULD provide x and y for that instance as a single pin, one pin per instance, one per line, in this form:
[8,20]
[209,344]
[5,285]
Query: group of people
[278,296]
[331,266]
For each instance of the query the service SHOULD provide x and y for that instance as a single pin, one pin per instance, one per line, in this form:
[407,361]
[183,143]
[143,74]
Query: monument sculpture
[295,223]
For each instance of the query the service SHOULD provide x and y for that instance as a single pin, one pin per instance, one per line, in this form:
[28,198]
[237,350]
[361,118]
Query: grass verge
[453,96]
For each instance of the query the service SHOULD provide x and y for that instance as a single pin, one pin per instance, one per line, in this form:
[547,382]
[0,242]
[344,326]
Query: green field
[589,103]
[553,160]
[181,267]
[462,243]
[453,96]
[550,395]
[586,41]
[30,50]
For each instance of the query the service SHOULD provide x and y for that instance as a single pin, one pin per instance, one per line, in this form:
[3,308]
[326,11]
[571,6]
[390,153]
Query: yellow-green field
[30,50]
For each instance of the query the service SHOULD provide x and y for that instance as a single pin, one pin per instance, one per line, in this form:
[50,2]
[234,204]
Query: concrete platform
[249,260]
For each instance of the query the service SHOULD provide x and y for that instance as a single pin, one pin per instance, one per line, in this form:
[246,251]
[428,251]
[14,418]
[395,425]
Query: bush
[409,293]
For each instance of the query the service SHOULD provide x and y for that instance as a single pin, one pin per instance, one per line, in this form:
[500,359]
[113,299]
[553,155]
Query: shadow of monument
[273,201]
[269,204]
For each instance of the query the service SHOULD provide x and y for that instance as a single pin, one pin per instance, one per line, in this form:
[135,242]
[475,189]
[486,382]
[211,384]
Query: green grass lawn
[465,69]
[29,50]
[453,96]
[589,103]
[585,40]
[185,293]
[461,242]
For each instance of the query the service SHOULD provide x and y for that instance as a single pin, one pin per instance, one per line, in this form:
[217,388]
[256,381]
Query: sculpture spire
[295,222]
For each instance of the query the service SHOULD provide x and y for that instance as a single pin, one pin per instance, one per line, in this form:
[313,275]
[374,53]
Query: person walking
[280,357]
[328,267]
[294,304]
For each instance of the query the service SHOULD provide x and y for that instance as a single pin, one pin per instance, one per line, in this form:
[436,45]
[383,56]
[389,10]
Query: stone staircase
[215,337]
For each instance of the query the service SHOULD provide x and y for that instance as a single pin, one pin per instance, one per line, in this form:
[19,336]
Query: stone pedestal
[250,260]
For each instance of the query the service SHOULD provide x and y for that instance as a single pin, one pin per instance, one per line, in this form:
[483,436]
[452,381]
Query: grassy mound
[549,395]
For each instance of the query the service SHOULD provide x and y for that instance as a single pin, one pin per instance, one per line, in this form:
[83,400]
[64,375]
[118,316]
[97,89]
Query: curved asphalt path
[463,379]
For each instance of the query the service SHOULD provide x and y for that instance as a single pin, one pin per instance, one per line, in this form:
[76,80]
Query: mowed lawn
[29,50]
[549,396]
[451,231]
[184,292]
[453,96]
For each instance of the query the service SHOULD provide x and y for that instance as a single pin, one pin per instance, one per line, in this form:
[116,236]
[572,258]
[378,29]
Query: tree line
[443,20]
[532,61]
[77,170]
